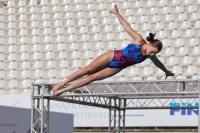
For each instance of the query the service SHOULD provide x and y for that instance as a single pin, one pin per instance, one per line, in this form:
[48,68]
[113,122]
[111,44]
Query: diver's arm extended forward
[160,65]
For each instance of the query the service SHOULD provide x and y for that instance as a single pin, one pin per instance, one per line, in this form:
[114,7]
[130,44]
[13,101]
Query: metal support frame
[115,96]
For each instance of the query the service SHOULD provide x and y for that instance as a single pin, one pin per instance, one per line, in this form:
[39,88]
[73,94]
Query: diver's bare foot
[56,88]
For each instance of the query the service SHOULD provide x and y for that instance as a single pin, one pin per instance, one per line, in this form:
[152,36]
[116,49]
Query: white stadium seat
[58,23]
[37,56]
[159,26]
[69,15]
[50,56]
[182,51]
[36,48]
[169,18]
[2,74]
[44,2]
[23,32]
[186,25]
[175,2]
[70,30]
[162,34]
[153,11]
[193,42]
[38,65]
[166,10]
[189,33]
[51,64]
[192,8]
[62,55]
[65,73]
[126,4]
[179,9]
[172,61]
[24,56]
[12,57]
[77,64]
[119,74]
[159,73]
[87,46]
[2,85]
[179,42]
[112,45]
[49,47]
[143,19]
[92,14]
[191,70]
[166,43]
[35,39]
[22,3]
[22,17]
[195,16]
[64,64]
[122,79]
[82,22]
[182,17]
[90,7]
[52,73]
[88,54]
[187,60]
[25,65]
[137,78]
[2,65]
[26,74]
[67,8]
[61,39]
[197,25]
[74,46]
[163,3]
[177,70]
[94,21]
[11,3]
[181,77]
[33,9]
[172,25]
[140,11]
[152,78]
[133,71]
[196,77]
[54,2]
[34,24]
[75,55]
[39,73]
[128,12]
[80,14]
[33,2]
[99,45]
[95,29]
[176,34]
[61,47]
[138,4]
[147,71]
[195,51]
[85,38]
[78,7]
[13,74]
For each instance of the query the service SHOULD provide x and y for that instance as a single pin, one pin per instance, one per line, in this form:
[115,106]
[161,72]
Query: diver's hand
[115,10]
[169,73]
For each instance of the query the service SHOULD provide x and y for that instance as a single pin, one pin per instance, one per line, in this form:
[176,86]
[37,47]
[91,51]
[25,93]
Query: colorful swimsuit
[129,56]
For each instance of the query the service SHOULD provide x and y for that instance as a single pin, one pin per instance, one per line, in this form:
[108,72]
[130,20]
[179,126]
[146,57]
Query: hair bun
[150,37]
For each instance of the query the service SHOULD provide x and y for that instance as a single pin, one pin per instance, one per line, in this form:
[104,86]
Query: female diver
[112,62]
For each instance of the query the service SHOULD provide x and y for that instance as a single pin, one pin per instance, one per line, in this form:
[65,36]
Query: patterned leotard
[129,56]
